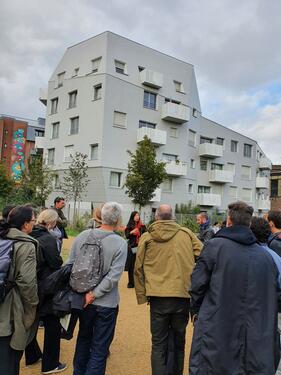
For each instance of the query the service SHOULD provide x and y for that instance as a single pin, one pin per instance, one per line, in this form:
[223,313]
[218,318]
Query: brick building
[17,142]
[275,187]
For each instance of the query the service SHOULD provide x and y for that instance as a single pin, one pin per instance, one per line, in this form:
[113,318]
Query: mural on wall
[18,155]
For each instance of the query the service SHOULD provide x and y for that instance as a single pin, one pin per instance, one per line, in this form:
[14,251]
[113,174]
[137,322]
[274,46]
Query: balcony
[157,195]
[210,150]
[151,78]
[221,176]
[43,95]
[176,168]
[175,112]
[157,137]
[264,163]
[39,142]
[207,199]
[262,183]
[263,204]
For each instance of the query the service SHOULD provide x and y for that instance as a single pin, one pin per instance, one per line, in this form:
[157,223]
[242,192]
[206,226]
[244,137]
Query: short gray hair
[164,212]
[48,216]
[111,213]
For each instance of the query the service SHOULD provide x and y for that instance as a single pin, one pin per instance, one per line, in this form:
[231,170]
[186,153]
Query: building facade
[17,142]
[275,187]
[108,92]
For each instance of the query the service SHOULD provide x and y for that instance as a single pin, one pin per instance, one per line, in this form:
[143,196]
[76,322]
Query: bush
[191,224]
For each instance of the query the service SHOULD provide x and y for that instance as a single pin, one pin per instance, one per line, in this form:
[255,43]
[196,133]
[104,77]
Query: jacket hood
[237,233]
[38,231]
[16,234]
[163,230]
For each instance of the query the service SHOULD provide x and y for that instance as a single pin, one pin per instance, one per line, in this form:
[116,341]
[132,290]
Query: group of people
[228,281]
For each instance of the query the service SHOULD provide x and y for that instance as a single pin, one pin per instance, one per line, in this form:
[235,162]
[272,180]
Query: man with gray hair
[165,260]
[98,319]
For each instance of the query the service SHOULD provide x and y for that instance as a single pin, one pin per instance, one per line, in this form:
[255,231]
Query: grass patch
[72,232]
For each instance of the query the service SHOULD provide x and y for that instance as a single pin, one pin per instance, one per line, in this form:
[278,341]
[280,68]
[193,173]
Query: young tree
[75,180]
[145,173]
[6,185]
[38,180]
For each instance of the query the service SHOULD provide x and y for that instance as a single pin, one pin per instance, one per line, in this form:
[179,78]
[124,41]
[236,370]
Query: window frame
[119,180]
[71,128]
[147,103]
[72,103]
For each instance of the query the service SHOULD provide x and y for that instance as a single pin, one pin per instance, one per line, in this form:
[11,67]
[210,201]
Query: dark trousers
[51,349]
[96,331]
[32,352]
[131,267]
[166,314]
[9,358]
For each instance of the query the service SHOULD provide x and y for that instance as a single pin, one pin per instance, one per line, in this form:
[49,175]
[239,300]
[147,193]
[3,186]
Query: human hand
[89,298]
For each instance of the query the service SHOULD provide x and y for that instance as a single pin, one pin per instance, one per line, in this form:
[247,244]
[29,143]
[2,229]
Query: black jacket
[234,290]
[132,239]
[206,234]
[274,242]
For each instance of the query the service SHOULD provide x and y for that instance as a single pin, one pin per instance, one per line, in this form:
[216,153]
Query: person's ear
[229,222]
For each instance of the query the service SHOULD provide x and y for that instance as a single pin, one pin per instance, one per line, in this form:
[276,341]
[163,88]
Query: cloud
[234,46]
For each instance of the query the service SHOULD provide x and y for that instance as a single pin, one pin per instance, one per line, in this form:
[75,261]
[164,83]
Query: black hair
[240,213]
[20,215]
[4,228]
[261,229]
[131,222]
[6,210]
[58,199]
[275,217]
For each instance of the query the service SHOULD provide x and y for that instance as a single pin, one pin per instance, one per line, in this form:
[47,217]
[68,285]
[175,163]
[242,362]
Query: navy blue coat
[235,293]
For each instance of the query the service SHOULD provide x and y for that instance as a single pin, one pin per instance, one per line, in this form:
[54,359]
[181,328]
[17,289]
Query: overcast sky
[235,46]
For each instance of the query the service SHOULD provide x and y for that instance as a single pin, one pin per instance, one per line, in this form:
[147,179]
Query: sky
[235,47]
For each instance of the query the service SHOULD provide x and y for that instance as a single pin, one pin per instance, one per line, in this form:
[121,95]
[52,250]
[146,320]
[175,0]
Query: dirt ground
[130,350]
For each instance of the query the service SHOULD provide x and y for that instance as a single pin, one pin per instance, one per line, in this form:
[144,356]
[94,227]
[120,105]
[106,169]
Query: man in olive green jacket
[18,311]
[164,263]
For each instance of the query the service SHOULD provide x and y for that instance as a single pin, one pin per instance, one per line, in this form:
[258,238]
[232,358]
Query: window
[97,91]
[169,100]
[179,86]
[54,105]
[216,167]
[245,172]
[39,133]
[246,195]
[120,119]
[170,157]
[141,68]
[204,189]
[274,188]
[145,124]
[72,97]
[231,167]
[75,72]
[68,151]
[57,182]
[74,125]
[191,138]
[167,185]
[190,188]
[195,113]
[203,164]
[120,67]
[55,130]
[51,156]
[205,140]
[233,193]
[115,179]
[219,141]
[60,79]
[96,65]
[149,100]
[94,152]
[247,150]
[234,146]
[192,163]
[174,132]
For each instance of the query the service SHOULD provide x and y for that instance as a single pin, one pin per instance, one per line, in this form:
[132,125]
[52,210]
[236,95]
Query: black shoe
[130,285]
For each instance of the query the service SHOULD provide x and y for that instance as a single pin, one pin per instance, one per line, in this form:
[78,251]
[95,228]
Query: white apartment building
[107,92]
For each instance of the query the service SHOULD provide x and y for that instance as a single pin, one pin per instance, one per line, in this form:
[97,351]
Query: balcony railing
[208,199]
[262,183]
[157,137]
[263,204]
[39,142]
[151,78]
[43,95]
[157,195]
[210,150]
[221,176]
[264,163]
[175,113]
[176,168]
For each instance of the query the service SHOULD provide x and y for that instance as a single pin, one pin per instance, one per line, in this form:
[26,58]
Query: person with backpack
[98,257]
[18,287]
[50,261]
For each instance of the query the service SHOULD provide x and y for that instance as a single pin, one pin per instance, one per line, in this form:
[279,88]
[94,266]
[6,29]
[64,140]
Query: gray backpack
[87,270]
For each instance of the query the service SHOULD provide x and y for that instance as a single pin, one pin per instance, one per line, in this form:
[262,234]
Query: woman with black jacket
[50,261]
[135,228]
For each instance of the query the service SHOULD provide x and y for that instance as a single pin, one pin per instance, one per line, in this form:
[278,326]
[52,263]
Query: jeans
[96,331]
[278,372]
[166,314]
